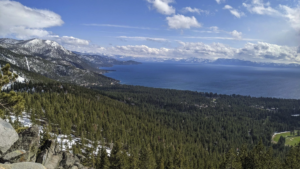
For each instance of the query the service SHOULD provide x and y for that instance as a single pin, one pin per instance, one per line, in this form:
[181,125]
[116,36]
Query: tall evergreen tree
[104,160]
[115,158]
[147,160]
[9,101]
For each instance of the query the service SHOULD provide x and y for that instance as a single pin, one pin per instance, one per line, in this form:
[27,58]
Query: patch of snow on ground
[27,64]
[62,139]
[20,79]
[10,60]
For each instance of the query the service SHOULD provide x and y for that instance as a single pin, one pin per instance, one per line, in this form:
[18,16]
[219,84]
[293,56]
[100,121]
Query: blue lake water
[243,80]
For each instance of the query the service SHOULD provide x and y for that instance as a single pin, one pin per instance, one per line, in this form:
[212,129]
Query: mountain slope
[104,61]
[51,50]
[37,47]
[57,69]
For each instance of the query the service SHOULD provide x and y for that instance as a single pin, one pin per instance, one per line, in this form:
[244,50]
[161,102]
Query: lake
[244,80]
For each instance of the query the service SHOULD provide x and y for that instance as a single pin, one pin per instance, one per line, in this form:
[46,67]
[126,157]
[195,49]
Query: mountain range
[220,61]
[53,61]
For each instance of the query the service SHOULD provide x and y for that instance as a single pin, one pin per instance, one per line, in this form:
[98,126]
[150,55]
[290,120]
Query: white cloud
[292,15]
[258,7]
[220,1]
[233,11]
[236,34]
[119,26]
[265,52]
[212,29]
[162,6]
[256,52]
[182,22]
[215,29]
[24,22]
[143,38]
[194,10]
[72,40]
[220,38]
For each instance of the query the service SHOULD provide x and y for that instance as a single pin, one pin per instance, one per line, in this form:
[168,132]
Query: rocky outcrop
[50,155]
[25,165]
[21,151]
[52,158]
[26,146]
[14,155]
[8,136]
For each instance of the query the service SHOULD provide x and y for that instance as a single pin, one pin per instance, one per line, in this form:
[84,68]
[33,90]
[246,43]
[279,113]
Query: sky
[254,30]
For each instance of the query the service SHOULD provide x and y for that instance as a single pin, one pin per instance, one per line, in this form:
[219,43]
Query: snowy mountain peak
[8,41]
[39,47]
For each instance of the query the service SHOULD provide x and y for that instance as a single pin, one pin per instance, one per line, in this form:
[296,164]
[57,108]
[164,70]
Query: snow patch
[48,42]
[34,42]
[66,142]
[27,64]
[20,79]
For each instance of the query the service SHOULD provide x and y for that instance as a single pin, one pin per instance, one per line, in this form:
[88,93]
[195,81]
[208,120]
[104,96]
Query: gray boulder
[68,160]
[53,158]
[50,155]
[28,141]
[8,136]
[81,157]
[14,155]
[25,165]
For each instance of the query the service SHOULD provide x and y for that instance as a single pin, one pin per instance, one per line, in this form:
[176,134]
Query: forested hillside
[162,128]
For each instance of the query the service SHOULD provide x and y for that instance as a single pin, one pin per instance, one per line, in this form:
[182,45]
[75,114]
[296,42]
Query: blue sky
[255,30]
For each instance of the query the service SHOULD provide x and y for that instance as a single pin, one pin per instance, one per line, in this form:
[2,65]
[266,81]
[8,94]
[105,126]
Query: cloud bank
[23,22]
[291,14]
[256,52]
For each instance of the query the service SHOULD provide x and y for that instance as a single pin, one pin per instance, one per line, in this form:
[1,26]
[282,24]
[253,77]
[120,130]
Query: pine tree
[161,163]
[292,160]
[45,134]
[170,164]
[104,160]
[134,161]
[178,158]
[11,102]
[231,161]
[115,156]
[147,160]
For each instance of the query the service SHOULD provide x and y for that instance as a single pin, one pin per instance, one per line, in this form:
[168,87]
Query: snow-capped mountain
[51,50]
[51,60]
[103,60]
[37,47]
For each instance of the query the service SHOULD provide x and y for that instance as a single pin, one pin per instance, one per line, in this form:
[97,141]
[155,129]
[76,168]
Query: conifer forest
[150,128]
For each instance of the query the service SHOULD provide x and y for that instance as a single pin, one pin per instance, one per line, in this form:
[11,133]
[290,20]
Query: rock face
[49,156]
[52,158]
[29,143]
[25,165]
[8,136]
[21,151]
[14,155]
